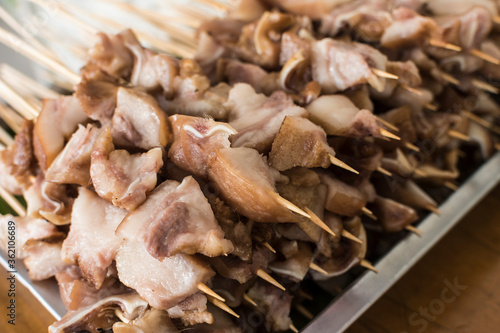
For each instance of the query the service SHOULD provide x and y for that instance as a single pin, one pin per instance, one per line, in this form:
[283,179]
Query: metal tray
[363,292]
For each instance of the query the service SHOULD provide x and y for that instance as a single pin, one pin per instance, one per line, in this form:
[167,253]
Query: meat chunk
[176,218]
[194,139]
[296,266]
[138,121]
[338,65]
[23,229]
[342,198]
[91,242]
[392,215]
[152,321]
[72,165]
[239,72]
[17,162]
[300,143]
[245,182]
[345,120]
[192,311]
[122,178]
[50,201]
[258,118]
[48,139]
[44,258]
[274,304]
[409,29]
[163,284]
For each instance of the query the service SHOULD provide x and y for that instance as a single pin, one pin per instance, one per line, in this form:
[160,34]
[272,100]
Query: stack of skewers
[229,173]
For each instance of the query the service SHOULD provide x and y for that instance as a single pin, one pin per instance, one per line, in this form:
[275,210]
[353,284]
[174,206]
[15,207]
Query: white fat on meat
[246,183]
[163,284]
[72,165]
[44,259]
[138,120]
[338,65]
[49,140]
[122,178]
[91,242]
[193,139]
[337,115]
[176,218]
[192,310]
[258,118]
[23,229]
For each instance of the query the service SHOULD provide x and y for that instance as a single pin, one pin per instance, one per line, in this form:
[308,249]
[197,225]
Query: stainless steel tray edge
[355,300]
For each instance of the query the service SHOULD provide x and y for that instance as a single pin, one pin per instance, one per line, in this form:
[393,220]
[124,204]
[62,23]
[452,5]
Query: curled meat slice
[91,242]
[274,304]
[25,228]
[48,139]
[101,314]
[163,284]
[120,177]
[193,139]
[338,65]
[138,120]
[44,258]
[176,218]
[245,182]
[50,201]
[296,266]
[72,165]
[409,29]
[17,162]
[300,143]
[339,116]
[258,118]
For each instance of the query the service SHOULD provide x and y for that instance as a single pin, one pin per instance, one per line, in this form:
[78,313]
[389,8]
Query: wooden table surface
[453,289]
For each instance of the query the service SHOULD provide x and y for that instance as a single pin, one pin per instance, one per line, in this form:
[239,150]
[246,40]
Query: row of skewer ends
[24,107]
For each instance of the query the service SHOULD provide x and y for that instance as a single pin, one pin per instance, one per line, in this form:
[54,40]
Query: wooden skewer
[293,328]
[269,247]
[387,124]
[369,213]
[30,52]
[263,275]
[10,74]
[458,135]
[303,311]
[420,173]
[205,289]
[249,300]
[413,230]
[214,4]
[287,204]
[447,77]
[433,209]
[496,19]
[350,236]
[313,217]
[386,75]
[5,137]
[444,45]
[485,86]
[431,107]
[411,89]
[11,118]
[12,202]
[384,171]
[484,56]
[317,268]
[452,186]
[482,122]
[18,102]
[222,306]
[411,146]
[305,295]
[340,164]
[366,264]
[388,134]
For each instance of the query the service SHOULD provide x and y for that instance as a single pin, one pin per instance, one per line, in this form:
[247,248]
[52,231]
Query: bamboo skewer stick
[249,300]
[452,186]
[222,306]
[11,118]
[313,217]
[269,247]
[293,328]
[387,124]
[18,102]
[485,86]
[287,204]
[388,134]
[486,57]
[10,74]
[444,45]
[366,264]
[205,289]
[305,295]
[383,74]
[263,275]
[458,135]
[482,122]
[303,311]
[350,236]
[5,137]
[369,213]
[317,268]
[12,202]
[411,146]
[340,164]
[384,171]
[414,230]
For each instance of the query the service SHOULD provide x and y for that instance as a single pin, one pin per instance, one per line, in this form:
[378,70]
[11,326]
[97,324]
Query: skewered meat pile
[163,189]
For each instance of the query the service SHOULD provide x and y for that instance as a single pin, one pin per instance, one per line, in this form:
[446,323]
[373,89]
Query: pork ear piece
[245,182]
[48,139]
[176,218]
[152,321]
[193,140]
[122,178]
[17,162]
[300,143]
[138,120]
[101,314]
